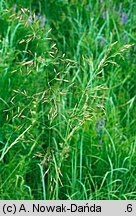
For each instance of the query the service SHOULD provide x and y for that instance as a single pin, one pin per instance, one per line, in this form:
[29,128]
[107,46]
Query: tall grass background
[67,99]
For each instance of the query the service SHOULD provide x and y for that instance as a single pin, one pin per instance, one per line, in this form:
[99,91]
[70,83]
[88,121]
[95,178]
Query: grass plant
[67,100]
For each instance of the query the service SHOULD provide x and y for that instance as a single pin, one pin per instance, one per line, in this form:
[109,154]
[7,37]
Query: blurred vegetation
[67,99]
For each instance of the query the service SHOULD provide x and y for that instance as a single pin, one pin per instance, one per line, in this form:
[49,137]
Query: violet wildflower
[43,20]
[103,41]
[103,13]
[30,21]
[98,127]
[103,124]
[124,18]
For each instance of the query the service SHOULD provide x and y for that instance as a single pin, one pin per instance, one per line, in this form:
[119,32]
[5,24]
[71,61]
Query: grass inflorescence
[67,100]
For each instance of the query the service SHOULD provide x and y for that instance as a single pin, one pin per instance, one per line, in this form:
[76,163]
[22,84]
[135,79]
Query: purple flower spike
[103,13]
[30,21]
[103,41]
[100,126]
[98,129]
[124,18]
[103,124]
[43,20]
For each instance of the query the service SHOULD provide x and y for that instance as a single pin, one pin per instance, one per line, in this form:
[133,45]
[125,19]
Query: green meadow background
[68,99]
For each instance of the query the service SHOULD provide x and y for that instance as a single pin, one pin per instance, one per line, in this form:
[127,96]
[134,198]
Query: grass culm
[67,100]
